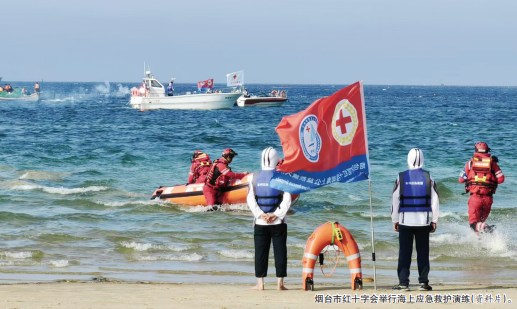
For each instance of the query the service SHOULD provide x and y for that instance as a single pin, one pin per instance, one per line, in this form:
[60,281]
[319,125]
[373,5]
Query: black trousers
[263,234]
[421,236]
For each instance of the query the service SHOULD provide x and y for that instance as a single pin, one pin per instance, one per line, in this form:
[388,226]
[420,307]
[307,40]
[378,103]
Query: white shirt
[280,212]
[419,218]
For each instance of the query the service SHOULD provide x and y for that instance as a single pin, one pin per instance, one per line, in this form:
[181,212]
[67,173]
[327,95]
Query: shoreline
[118,295]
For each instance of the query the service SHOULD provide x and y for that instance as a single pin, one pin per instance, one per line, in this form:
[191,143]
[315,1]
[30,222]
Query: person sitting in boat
[209,90]
[1,89]
[24,91]
[36,88]
[218,178]
[246,93]
[170,88]
[200,167]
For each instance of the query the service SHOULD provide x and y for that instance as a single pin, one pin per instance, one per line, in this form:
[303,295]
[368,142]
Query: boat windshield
[155,83]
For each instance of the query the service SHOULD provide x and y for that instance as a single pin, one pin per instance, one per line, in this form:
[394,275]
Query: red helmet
[197,153]
[482,147]
[229,152]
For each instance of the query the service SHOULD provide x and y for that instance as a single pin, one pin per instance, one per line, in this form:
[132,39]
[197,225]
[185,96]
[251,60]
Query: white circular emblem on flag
[344,123]
[310,140]
[209,82]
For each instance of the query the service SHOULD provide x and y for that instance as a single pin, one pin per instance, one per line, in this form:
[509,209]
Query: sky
[383,42]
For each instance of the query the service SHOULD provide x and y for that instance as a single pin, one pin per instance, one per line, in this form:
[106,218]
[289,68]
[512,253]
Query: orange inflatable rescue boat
[331,233]
[192,195]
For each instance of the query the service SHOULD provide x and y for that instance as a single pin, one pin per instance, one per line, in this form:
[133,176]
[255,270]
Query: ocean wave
[17,255]
[60,190]
[237,254]
[170,257]
[59,263]
[44,175]
[125,203]
[138,246]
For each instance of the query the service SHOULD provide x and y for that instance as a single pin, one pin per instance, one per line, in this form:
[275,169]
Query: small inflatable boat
[192,195]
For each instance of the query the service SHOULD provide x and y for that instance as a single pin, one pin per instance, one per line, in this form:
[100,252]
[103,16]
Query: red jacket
[220,174]
[476,181]
[199,169]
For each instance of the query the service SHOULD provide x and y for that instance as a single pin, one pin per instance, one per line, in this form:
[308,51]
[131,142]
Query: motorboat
[274,98]
[151,95]
[192,195]
[18,95]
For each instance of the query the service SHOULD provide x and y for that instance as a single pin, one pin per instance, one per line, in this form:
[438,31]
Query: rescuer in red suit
[218,177]
[482,175]
[200,167]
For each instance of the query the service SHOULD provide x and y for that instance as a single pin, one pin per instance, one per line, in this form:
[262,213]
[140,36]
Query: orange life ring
[282,93]
[274,93]
[331,234]
[134,92]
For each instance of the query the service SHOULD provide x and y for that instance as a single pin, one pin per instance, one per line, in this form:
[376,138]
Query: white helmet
[415,159]
[269,159]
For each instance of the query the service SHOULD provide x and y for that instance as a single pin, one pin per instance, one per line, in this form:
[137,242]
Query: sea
[78,168]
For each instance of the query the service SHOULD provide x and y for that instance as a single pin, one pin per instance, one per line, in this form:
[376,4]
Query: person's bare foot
[258,287]
[280,285]
[260,284]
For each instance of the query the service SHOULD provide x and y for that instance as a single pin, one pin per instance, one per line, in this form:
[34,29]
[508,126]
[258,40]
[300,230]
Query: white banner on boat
[235,78]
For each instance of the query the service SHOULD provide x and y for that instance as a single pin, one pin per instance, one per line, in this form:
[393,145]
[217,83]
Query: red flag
[209,83]
[325,143]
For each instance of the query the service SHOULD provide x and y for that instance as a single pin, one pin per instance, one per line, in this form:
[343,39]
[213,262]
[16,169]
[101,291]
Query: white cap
[415,159]
[269,159]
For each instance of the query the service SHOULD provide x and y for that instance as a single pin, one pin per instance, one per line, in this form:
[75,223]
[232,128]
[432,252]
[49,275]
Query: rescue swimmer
[199,168]
[481,176]
[218,178]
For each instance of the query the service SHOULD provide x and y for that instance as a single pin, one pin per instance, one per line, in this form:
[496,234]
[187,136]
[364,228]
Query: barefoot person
[269,207]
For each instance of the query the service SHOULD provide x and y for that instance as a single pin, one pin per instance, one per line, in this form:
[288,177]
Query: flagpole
[373,244]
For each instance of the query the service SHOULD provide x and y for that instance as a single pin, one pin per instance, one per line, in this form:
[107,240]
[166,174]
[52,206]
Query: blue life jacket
[169,88]
[415,191]
[268,199]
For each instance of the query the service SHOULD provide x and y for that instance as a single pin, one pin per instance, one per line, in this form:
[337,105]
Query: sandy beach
[140,295]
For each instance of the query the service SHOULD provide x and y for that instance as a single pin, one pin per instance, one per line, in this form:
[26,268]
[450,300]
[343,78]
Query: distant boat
[17,95]
[153,97]
[262,99]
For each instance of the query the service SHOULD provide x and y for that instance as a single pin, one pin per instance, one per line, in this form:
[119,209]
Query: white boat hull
[204,101]
[261,101]
[33,97]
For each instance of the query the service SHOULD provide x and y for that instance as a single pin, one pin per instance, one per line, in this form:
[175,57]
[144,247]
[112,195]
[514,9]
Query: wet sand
[138,295]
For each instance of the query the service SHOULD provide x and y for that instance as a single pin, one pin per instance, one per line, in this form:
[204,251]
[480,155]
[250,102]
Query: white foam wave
[43,175]
[121,204]
[449,214]
[138,246]
[375,215]
[122,91]
[105,89]
[17,255]
[59,263]
[60,190]
[237,254]
[169,257]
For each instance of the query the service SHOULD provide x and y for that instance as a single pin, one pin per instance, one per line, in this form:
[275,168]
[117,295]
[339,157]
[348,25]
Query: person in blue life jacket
[414,213]
[269,207]
[170,88]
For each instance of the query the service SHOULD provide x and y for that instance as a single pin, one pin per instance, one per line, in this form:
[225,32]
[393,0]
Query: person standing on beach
[481,175]
[269,207]
[414,213]
[218,178]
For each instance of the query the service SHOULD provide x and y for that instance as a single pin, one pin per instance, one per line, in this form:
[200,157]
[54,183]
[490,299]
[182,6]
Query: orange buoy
[331,233]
